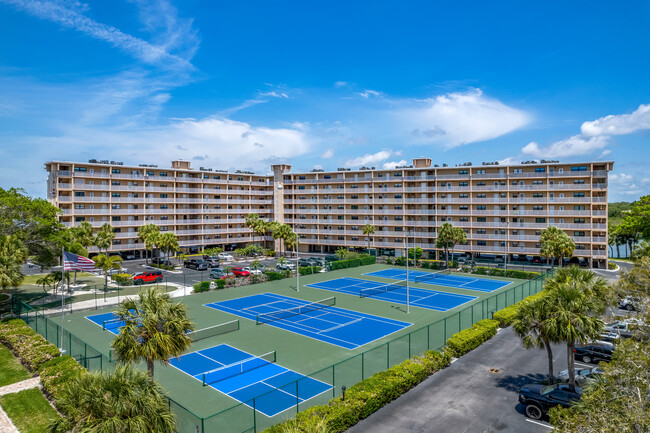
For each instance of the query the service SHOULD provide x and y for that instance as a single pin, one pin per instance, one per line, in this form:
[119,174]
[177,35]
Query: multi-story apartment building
[502,208]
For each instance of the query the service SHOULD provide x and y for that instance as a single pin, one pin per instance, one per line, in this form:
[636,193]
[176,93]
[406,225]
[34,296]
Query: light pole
[297,265]
[407,274]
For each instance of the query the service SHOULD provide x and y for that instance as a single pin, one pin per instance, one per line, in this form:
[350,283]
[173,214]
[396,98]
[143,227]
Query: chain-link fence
[243,417]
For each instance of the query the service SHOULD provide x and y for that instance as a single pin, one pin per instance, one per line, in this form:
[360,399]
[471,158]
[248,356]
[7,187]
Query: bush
[269,253]
[361,260]
[507,315]
[498,272]
[389,260]
[3,297]
[610,265]
[58,371]
[469,339]
[123,279]
[308,270]
[400,261]
[221,284]
[29,346]
[165,267]
[202,286]
[274,275]
[367,396]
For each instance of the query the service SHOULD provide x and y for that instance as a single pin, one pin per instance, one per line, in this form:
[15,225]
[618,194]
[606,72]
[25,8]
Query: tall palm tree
[368,230]
[575,298]
[531,325]
[555,244]
[284,233]
[12,255]
[46,280]
[104,238]
[262,228]
[155,329]
[121,401]
[84,234]
[148,234]
[252,220]
[448,237]
[168,243]
[106,263]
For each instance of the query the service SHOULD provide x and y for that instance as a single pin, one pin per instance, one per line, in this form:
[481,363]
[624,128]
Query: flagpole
[62,298]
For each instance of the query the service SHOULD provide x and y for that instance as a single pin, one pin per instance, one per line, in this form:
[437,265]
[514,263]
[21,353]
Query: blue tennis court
[425,298]
[107,321]
[455,281]
[343,328]
[255,381]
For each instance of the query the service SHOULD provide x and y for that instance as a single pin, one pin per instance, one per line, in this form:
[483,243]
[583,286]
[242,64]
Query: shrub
[58,371]
[3,297]
[202,286]
[123,279]
[507,315]
[269,253]
[221,284]
[469,339]
[610,265]
[389,260]
[29,346]
[274,275]
[308,270]
[400,261]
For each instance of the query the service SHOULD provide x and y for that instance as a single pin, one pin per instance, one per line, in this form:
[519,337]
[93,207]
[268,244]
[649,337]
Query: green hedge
[220,284]
[367,396]
[58,371]
[29,346]
[202,286]
[471,338]
[273,275]
[510,273]
[507,315]
[165,267]
[123,279]
[364,259]
[308,270]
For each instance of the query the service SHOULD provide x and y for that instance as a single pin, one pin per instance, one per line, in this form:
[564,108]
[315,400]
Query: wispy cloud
[371,158]
[572,146]
[341,84]
[329,153]
[369,93]
[618,124]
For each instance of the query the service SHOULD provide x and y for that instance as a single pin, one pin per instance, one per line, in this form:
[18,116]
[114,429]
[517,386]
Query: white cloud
[368,93]
[572,146]
[329,153]
[624,184]
[274,94]
[456,119]
[71,15]
[618,124]
[341,84]
[508,161]
[317,167]
[392,164]
[367,159]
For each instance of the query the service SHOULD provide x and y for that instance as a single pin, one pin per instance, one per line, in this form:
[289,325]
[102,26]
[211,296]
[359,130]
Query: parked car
[212,262]
[198,264]
[583,375]
[594,352]
[624,328]
[128,256]
[331,258]
[285,266]
[117,271]
[252,271]
[317,261]
[148,277]
[608,336]
[219,274]
[240,272]
[539,398]
[161,261]
[304,262]
[628,304]
[225,257]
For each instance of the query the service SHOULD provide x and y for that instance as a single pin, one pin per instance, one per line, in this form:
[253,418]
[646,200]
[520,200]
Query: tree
[575,298]
[641,250]
[638,218]
[368,230]
[342,253]
[628,233]
[106,263]
[448,237]
[155,329]
[214,251]
[46,280]
[611,239]
[415,254]
[262,227]
[531,326]
[121,401]
[104,238]
[635,283]
[284,233]
[252,220]
[84,234]
[556,244]
[71,241]
[168,243]
[148,234]
[12,255]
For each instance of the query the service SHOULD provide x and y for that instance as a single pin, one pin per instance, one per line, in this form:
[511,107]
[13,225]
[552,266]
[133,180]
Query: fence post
[363,365]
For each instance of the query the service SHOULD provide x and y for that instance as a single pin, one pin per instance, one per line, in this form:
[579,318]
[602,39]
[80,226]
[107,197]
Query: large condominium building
[502,208]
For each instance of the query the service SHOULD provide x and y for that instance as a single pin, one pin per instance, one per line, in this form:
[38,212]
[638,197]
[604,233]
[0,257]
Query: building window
[578,207]
[163,206]
[480,219]
[578,233]
[461,172]
[578,220]
[540,220]
[578,194]
[79,194]
[580,168]
[480,207]
[115,194]
[80,169]
[540,170]
[480,243]
[115,171]
[480,171]
[463,184]
[115,182]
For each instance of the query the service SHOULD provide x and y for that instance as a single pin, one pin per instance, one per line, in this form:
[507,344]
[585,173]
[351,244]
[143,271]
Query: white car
[583,375]
[252,271]
[225,257]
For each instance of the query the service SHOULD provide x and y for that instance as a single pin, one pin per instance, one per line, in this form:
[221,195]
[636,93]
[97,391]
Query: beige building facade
[502,208]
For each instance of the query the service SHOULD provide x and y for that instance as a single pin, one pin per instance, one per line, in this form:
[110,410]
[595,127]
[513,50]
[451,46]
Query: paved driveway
[466,397]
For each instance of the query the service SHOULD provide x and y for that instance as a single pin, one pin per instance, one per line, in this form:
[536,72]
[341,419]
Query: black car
[198,264]
[593,353]
[304,263]
[161,261]
[539,398]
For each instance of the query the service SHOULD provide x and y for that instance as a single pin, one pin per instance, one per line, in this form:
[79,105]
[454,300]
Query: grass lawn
[28,410]
[81,277]
[12,370]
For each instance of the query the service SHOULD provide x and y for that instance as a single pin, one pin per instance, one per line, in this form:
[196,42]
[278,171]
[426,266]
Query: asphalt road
[466,397]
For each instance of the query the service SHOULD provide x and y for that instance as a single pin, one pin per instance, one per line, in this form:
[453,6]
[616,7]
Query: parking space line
[539,423]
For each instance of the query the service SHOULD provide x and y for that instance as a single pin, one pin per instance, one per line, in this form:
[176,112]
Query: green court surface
[206,410]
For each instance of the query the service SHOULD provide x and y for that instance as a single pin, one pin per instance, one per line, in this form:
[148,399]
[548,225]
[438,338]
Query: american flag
[73,262]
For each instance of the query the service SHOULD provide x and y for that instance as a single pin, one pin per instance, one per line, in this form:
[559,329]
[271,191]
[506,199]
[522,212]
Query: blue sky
[242,85]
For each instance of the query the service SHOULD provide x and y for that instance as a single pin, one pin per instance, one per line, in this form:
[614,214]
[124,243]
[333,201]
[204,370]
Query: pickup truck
[198,264]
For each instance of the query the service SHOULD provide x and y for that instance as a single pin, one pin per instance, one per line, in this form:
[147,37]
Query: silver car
[584,375]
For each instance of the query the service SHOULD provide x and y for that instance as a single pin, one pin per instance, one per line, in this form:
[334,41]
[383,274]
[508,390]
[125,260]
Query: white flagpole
[297,265]
[408,306]
[62,298]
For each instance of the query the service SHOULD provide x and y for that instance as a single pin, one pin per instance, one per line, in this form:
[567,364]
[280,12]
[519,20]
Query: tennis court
[396,293]
[107,321]
[319,320]
[256,381]
[442,278]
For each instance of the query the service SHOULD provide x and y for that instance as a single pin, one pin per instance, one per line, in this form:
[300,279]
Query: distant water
[623,249]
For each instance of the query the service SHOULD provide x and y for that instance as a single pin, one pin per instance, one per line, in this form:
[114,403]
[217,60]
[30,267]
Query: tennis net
[431,276]
[112,324]
[295,311]
[211,331]
[364,293]
[237,368]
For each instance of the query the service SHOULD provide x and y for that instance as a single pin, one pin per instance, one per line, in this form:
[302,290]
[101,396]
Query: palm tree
[12,255]
[368,230]
[168,243]
[84,234]
[342,253]
[155,329]
[284,233]
[531,325]
[46,280]
[262,228]
[575,298]
[104,238]
[148,234]
[555,244]
[121,401]
[106,263]
[448,237]
[252,220]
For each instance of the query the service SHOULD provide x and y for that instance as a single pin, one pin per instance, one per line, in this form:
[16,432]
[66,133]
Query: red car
[239,272]
[147,277]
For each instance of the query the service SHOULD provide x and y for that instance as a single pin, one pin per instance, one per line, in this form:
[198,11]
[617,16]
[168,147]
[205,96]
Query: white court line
[539,423]
[341,325]
[211,359]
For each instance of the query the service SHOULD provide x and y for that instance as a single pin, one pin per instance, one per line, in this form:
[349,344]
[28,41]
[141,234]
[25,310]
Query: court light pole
[297,265]
[408,309]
